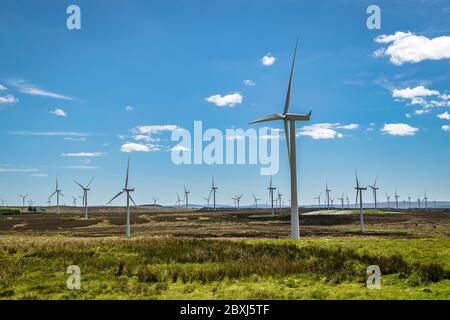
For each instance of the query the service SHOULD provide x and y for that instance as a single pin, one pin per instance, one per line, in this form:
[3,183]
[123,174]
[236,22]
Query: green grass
[168,268]
[7,212]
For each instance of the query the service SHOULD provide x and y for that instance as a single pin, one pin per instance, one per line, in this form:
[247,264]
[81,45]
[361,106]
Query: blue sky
[379,103]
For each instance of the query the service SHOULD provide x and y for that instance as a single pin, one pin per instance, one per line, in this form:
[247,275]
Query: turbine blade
[132,200]
[78,184]
[115,197]
[50,196]
[288,95]
[271,117]
[90,182]
[126,178]
[286,133]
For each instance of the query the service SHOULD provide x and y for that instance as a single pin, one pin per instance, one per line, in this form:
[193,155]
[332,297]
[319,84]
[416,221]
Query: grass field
[224,255]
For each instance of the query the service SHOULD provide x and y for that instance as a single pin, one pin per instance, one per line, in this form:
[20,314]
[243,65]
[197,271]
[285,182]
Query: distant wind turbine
[179,201]
[58,193]
[388,197]
[85,189]
[396,198]
[359,191]
[342,201]
[425,199]
[318,198]
[271,190]
[237,200]
[375,189]
[23,201]
[186,197]
[127,190]
[214,191]
[327,192]
[155,200]
[289,121]
[255,203]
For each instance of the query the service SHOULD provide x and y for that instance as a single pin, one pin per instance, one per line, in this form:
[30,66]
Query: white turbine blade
[126,178]
[272,117]
[132,200]
[286,133]
[50,196]
[78,184]
[115,197]
[90,182]
[288,95]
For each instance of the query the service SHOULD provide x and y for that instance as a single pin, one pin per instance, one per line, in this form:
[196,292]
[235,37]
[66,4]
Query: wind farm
[187,155]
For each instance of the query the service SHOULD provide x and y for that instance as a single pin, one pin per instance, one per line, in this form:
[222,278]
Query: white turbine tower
[359,191]
[342,201]
[255,203]
[127,190]
[179,201]
[23,200]
[214,191]
[85,197]
[271,190]
[208,199]
[425,199]
[58,193]
[396,198]
[388,197]
[327,192]
[186,197]
[375,189]
[289,121]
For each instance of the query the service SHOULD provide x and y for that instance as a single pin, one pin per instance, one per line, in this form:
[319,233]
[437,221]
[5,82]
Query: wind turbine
[342,201]
[186,197]
[155,200]
[332,202]
[289,121]
[388,197]
[396,198]
[23,200]
[327,192]
[318,199]
[58,193]
[279,195]
[255,203]
[237,200]
[127,190]
[418,201]
[179,201]
[348,200]
[425,199]
[85,197]
[359,191]
[409,200]
[214,191]
[374,189]
[271,190]
[207,200]
[3,202]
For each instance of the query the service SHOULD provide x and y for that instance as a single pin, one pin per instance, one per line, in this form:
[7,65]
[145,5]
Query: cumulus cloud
[423,97]
[399,129]
[8,99]
[325,130]
[59,113]
[129,108]
[147,129]
[2,88]
[406,47]
[446,128]
[268,60]
[411,93]
[83,154]
[138,147]
[249,83]
[444,116]
[228,100]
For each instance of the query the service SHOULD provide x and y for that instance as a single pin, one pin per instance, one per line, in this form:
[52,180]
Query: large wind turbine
[359,191]
[289,121]
[396,198]
[58,193]
[327,192]
[214,191]
[271,190]
[85,197]
[186,197]
[255,203]
[375,189]
[127,190]
[23,200]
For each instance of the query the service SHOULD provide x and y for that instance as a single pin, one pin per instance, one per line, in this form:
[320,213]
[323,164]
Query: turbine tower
[388,197]
[58,193]
[214,191]
[332,202]
[327,192]
[289,121]
[409,201]
[396,198]
[279,195]
[127,190]
[425,199]
[85,197]
[186,197]
[359,191]
[375,189]
[271,190]
[318,199]
[155,200]
[348,200]
[342,201]
[237,200]
[23,200]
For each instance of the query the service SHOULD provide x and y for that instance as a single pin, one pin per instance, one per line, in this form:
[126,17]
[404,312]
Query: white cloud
[138,147]
[444,116]
[268,60]
[446,128]
[142,137]
[420,112]
[325,130]
[59,113]
[8,99]
[38,175]
[19,170]
[83,154]
[26,88]
[399,129]
[129,108]
[82,139]
[249,83]
[2,88]
[228,100]
[154,129]
[180,148]
[81,167]
[411,93]
[406,47]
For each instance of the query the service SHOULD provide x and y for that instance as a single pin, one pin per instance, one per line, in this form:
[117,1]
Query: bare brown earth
[244,224]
